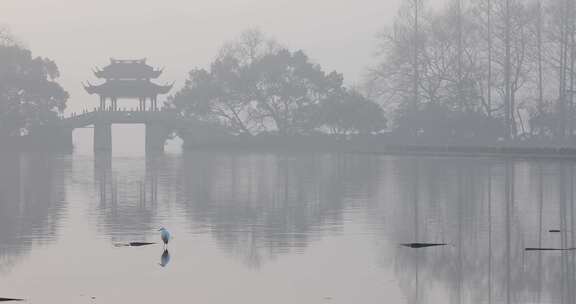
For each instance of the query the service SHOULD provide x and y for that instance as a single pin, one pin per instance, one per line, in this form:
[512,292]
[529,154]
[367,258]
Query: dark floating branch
[554,230]
[133,244]
[549,249]
[137,244]
[422,245]
[9,299]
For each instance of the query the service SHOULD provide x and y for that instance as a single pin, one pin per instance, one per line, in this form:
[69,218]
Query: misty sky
[182,34]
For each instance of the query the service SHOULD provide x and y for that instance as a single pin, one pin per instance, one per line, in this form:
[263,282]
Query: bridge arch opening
[174,144]
[82,139]
[127,139]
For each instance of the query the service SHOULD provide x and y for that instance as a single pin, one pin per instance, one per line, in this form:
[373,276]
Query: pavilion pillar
[102,103]
[156,135]
[102,137]
[114,104]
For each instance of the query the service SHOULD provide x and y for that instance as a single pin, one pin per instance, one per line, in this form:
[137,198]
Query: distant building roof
[128,89]
[128,69]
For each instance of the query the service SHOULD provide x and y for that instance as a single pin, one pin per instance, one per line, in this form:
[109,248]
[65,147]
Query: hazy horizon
[179,35]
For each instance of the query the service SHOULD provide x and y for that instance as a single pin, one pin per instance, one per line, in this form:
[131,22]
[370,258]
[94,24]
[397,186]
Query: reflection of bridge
[159,125]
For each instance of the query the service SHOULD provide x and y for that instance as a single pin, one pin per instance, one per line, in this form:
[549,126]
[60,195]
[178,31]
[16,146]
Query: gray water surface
[285,228]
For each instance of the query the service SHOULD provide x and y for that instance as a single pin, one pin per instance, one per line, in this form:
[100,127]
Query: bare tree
[508,118]
[489,61]
[416,52]
[539,25]
[570,27]
[459,52]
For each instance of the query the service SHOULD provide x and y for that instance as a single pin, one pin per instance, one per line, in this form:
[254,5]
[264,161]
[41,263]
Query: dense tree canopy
[289,91]
[351,112]
[29,94]
[255,85]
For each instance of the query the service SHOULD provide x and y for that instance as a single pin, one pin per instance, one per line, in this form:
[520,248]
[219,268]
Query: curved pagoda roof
[128,69]
[128,89]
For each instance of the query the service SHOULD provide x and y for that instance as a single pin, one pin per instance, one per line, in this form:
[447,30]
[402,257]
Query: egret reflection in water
[165,258]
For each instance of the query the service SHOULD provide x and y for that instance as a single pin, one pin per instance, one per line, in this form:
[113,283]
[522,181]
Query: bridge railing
[86,112]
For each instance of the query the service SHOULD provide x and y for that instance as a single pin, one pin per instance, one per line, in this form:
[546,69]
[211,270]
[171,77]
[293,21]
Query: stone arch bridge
[159,125]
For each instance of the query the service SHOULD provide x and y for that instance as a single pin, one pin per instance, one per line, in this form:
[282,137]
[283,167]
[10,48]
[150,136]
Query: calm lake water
[285,228]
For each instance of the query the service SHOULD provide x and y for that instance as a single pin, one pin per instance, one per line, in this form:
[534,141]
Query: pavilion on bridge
[128,79]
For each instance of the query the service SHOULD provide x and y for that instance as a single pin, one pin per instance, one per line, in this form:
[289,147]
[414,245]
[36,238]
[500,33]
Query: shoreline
[328,144]
[372,146]
[409,151]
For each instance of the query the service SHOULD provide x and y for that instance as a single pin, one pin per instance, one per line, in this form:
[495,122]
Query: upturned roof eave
[103,74]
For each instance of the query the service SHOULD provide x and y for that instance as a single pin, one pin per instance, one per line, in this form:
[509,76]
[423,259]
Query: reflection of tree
[261,206]
[31,202]
[447,201]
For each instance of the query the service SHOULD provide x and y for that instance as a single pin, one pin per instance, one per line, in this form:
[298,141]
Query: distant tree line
[257,86]
[29,94]
[480,69]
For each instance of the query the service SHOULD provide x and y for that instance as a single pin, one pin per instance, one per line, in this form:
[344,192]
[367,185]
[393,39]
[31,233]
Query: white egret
[165,235]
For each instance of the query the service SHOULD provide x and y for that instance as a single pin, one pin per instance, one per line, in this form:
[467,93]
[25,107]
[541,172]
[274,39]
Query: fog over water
[285,228]
[264,225]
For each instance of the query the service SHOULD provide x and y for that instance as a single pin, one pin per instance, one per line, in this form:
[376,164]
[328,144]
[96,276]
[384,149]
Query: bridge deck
[167,118]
